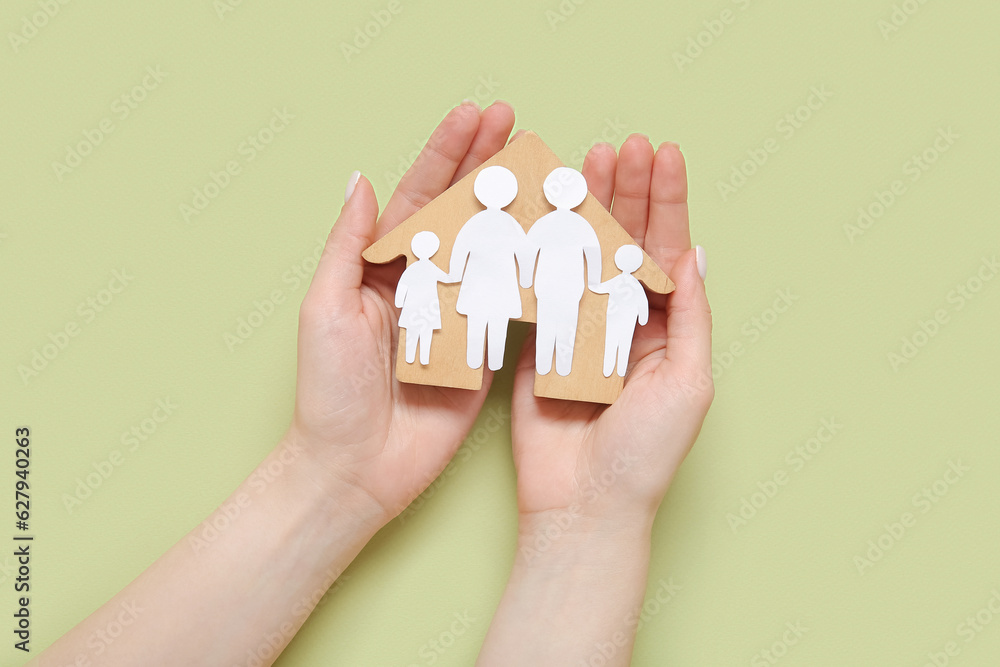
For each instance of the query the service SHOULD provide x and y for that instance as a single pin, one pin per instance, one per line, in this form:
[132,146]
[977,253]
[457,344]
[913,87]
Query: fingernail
[701,261]
[504,102]
[672,143]
[473,103]
[352,183]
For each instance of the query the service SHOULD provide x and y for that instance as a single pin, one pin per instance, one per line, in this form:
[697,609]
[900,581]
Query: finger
[635,167]
[517,135]
[599,170]
[689,320]
[435,166]
[668,234]
[337,280]
[523,400]
[495,125]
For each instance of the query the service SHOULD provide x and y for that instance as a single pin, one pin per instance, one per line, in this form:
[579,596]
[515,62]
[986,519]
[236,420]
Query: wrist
[303,485]
[571,538]
[576,585]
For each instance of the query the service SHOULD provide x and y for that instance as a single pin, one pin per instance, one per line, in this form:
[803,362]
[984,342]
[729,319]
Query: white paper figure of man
[562,240]
[483,258]
[627,304]
[417,296]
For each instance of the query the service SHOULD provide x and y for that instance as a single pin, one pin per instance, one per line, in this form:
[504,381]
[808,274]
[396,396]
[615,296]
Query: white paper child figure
[417,296]
[562,240]
[627,304]
[483,258]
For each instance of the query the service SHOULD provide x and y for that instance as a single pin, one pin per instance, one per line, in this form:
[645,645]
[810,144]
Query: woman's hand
[590,477]
[616,461]
[358,424]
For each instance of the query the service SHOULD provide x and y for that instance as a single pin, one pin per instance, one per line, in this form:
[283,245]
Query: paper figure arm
[459,255]
[592,253]
[526,253]
[443,277]
[602,288]
[401,289]
[643,306]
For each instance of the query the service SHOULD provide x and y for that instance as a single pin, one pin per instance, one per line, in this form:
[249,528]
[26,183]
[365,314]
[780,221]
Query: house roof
[531,161]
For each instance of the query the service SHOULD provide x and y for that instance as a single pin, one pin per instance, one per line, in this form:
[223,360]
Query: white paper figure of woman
[563,239]
[483,258]
[627,304]
[417,296]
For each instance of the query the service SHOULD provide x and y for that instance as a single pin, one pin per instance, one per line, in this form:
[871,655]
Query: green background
[607,70]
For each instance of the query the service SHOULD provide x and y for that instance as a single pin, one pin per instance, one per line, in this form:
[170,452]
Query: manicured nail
[701,261]
[473,103]
[672,143]
[352,183]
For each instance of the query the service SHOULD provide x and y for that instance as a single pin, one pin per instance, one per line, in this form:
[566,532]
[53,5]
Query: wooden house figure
[531,161]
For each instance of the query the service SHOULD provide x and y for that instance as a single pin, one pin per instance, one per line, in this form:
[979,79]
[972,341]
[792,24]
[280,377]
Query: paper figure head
[495,186]
[565,187]
[425,244]
[628,258]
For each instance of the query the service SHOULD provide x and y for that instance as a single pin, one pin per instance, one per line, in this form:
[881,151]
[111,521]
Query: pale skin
[361,446]
[594,475]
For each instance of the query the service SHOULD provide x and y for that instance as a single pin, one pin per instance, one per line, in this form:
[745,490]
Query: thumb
[338,275]
[689,319]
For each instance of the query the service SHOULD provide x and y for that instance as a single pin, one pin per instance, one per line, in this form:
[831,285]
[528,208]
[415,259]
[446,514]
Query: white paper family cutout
[559,256]
[483,259]
[627,304]
[417,297]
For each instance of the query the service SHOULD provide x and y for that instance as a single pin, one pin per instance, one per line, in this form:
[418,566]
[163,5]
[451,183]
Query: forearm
[575,591]
[240,584]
